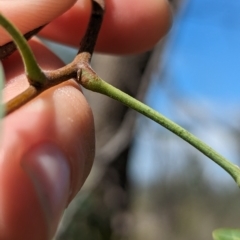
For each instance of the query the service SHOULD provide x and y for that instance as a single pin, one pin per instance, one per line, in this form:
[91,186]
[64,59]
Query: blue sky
[202,56]
[201,71]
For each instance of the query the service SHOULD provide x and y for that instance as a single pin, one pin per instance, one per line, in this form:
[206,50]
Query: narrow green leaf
[226,234]
[1,87]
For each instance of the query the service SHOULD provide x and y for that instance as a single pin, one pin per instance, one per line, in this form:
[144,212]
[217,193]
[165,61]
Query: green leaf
[1,87]
[226,234]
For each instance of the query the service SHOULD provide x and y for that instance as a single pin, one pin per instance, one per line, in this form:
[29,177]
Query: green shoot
[33,71]
[98,85]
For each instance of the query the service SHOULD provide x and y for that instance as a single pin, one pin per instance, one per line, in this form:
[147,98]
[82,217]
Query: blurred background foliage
[146,183]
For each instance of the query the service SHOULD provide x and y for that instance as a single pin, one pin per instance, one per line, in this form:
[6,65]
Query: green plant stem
[33,71]
[98,85]
[21,99]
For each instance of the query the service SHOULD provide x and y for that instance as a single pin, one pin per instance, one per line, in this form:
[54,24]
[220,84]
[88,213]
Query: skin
[47,147]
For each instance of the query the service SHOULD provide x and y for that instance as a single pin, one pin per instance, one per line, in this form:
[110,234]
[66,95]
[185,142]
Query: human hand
[47,147]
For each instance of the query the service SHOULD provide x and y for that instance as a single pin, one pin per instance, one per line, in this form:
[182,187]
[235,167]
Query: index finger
[128,26]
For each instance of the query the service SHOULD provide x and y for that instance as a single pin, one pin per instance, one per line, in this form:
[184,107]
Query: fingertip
[21,213]
[49,171]
[136,29]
